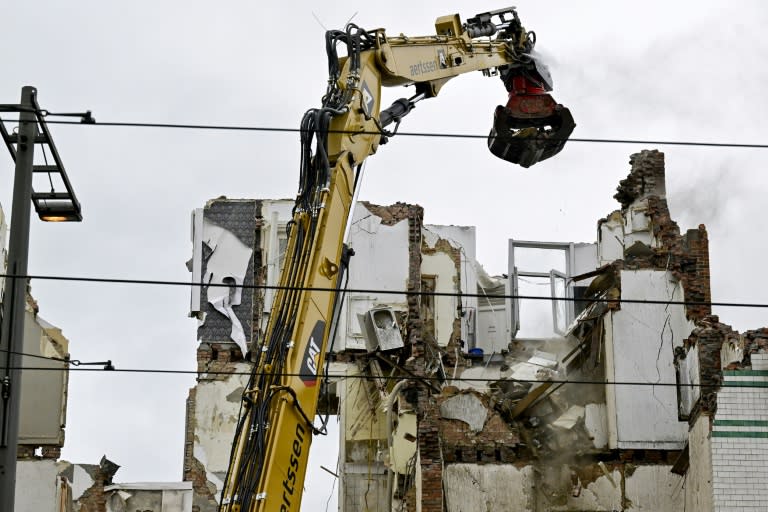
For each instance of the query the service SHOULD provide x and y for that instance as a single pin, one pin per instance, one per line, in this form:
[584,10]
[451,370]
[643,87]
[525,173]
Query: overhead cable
[390,292]
[107,365]
[740,384]
[189,126]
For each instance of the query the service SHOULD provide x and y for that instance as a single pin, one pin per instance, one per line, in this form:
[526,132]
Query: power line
[742,384]
[387,292]
[38,356]
[185,126]
[74,362]
[111,368]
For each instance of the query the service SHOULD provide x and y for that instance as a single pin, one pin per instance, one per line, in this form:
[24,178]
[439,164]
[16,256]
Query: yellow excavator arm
[269,455]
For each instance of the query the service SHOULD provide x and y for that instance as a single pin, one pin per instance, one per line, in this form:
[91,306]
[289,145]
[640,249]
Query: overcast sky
[692,71]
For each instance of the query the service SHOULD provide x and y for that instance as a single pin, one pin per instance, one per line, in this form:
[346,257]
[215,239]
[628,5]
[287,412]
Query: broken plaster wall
[476,488]
[650,259]
[471,430]
[641,343]
[642,235]
[393,240]
[212,413]
[488,467]
[383,238]
[529,488]
[88,483]
[462,239]
[235,241]
[379,236]
[643,247]
[446,253]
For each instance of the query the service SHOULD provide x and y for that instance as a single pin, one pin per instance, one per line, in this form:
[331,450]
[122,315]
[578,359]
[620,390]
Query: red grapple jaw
[530,128]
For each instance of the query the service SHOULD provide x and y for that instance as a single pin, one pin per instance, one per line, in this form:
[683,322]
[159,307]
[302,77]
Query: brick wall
[740,439]
[93,499]
[685,256]
[497,441]
[708,339]
[645,179]
[430,453]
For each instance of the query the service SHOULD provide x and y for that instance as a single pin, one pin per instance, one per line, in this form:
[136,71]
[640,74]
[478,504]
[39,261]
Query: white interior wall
[442,266]
[610,245]
[643,340]
[464,238]
[380,263]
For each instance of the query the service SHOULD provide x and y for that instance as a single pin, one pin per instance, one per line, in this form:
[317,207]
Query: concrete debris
[638,250]
[577,487]
[545,359]
[507,394]
[483,376]
[528,372]
[510,389]
[570,418]
[541,408]
[521,406]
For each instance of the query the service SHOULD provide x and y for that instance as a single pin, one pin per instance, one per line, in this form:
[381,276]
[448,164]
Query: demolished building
[615,390]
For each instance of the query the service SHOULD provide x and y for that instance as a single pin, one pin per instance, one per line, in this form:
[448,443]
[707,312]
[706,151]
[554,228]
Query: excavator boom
[268,461]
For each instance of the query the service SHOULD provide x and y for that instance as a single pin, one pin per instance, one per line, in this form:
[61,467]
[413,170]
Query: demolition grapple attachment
[532,126]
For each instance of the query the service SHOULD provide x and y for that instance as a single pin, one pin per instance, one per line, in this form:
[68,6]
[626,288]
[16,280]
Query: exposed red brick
[685,256]
[391,215]
[93,499]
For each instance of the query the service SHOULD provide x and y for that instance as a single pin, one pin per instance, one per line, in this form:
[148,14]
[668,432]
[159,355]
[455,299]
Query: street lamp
[56,205]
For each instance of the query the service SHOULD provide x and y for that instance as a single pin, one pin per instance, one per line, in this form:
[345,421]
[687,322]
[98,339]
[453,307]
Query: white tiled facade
[739,440]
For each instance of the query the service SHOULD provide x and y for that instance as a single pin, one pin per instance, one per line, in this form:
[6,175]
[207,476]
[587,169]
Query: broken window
[562,313]
[545,269]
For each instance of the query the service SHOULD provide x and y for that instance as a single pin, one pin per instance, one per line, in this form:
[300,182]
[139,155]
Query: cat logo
[308,373]
[368,101]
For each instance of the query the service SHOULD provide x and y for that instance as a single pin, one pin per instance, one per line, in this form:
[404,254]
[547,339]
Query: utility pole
[15,298]
[54,206]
